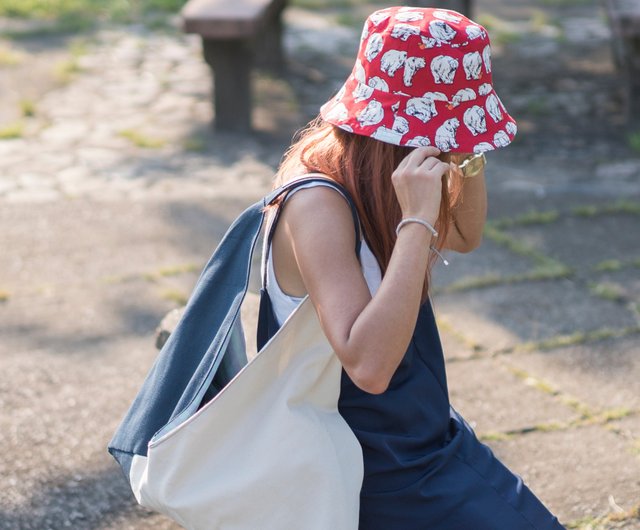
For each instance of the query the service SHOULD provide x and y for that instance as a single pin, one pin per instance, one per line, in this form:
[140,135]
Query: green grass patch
[12,131]
[623,206]
[608,265]
[55,17]
[446,326]
[492,436]
[580,337]
[27,108]
[174,295]
[110,9]
[545,265]
[532,217]
[634,141]
[194,144]
[607,290]
[140,139]
[501,31]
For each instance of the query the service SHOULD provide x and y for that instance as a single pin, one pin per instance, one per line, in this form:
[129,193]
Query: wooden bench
[624,19]
[236,36]
[461,6]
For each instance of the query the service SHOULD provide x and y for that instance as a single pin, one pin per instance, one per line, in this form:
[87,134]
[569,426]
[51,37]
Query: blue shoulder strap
[206,349]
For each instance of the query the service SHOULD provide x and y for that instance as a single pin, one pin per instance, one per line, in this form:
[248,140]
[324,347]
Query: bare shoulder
[320,209]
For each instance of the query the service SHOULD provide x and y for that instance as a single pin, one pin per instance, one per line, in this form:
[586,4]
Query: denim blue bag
[215,441]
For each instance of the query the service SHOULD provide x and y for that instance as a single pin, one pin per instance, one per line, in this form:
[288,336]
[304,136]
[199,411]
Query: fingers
[417,156]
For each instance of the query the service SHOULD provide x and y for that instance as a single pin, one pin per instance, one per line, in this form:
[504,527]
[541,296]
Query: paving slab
[492,399]
[505,315]
[603,374]
[582,242]
[574,472]
[487,260]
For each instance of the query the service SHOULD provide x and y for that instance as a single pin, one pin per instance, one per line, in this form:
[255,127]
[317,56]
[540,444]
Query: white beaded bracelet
[416,220]
[427,225]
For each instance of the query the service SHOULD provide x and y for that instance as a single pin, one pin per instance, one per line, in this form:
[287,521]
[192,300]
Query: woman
[418,102]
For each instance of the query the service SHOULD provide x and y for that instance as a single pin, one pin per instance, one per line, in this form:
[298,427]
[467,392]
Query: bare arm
[369,335]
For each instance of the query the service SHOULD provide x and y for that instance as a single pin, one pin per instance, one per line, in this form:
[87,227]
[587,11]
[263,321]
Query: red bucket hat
[423,77]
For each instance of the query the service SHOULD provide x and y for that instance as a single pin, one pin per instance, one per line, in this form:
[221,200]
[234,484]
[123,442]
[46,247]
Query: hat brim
[465,122]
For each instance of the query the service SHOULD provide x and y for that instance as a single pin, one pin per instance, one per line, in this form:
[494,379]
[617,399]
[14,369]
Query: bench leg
[231,62]
[269,53]
[633,82]
[462,6]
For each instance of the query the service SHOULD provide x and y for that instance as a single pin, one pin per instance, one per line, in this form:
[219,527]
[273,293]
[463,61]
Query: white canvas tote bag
[269,449]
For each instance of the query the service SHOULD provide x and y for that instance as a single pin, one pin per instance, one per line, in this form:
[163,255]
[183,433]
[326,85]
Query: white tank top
[284,304]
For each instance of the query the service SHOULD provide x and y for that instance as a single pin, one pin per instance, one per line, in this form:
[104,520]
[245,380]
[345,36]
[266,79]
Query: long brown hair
[364,166]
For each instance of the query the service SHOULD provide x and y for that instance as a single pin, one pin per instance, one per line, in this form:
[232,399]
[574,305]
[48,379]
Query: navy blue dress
[424,467]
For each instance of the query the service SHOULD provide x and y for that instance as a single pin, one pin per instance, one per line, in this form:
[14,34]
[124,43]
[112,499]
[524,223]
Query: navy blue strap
[287,189]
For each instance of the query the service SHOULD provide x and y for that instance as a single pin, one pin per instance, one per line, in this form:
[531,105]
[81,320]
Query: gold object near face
[472,165]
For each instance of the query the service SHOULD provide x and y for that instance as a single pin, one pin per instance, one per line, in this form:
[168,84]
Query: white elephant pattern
[372,114]
[472,64]
[392,61]
[474,119]
[464,94]
[486,57]
[362,92]
[374,45]
[411,66]
[422,108]
[446,135]
[493,109]
[404,31]
[378,83]
[444,69]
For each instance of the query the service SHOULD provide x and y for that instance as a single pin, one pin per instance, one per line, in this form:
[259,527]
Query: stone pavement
[116,193]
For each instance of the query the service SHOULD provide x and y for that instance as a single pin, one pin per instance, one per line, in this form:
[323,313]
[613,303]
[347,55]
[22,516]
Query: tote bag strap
[286,190]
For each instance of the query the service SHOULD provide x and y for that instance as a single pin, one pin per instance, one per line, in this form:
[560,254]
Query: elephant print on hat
[474,32]
[464,94]
[419,141]
[441,32]
[482,147]
[474,119]
[484,89]
[486,57]
[359,72]
[409,16]
[411,66]
[372,114]
[373,47]
[423,76]
[472,64]
[378,83]
[493,108]
[398,129]
[422,108]
[338,113]
[378,17]
[446,135]
[445,15]
[444,69]
[404,31]
[392,61]
[501,139]
[362,92]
